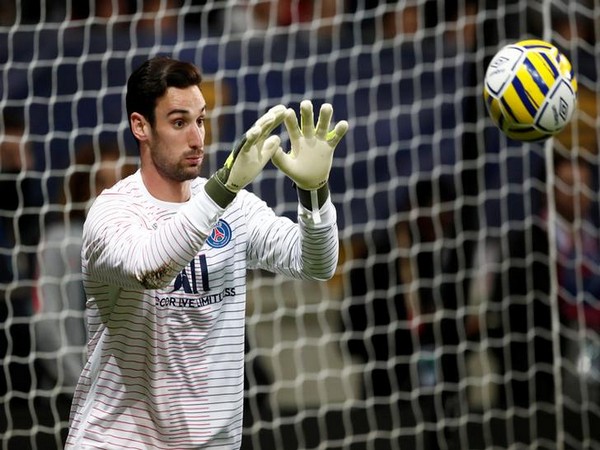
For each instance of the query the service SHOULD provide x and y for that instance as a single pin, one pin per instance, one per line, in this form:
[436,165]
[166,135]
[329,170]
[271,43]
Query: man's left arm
[302,250]
[308,165]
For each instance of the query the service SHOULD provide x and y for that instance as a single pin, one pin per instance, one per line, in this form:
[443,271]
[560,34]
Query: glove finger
[324,120]
[293,129]
[251,138]
[271,120]
[275,111]
[269,148]
[307,119]
[282,160]
[247,141]
[335,136]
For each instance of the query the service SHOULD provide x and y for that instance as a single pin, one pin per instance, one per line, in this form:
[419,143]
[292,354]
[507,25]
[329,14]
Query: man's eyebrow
[178,111]
[184,111]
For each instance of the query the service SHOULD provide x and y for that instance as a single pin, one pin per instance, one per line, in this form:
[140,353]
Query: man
[164,263]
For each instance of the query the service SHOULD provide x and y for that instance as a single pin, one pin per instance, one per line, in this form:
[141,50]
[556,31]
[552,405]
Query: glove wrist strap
[217,191]
[313,200]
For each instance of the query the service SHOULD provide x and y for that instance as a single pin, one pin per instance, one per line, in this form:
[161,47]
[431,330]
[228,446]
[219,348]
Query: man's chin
[187,174]
[194,172]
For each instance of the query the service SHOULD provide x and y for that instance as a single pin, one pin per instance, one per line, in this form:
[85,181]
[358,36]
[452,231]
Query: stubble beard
[177,171]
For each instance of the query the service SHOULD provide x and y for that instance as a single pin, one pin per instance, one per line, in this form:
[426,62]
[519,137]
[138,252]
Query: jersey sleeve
[301,249]
[124,246]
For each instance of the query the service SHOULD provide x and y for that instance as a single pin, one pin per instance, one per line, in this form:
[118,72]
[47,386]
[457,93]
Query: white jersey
[166,295]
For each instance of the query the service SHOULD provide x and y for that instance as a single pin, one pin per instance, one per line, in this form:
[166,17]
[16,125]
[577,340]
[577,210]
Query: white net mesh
[452,322]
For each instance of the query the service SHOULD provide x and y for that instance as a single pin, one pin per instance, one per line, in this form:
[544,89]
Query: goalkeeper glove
[309,162]
[247,159]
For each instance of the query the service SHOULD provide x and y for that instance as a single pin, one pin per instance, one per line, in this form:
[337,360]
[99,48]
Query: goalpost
[437,331]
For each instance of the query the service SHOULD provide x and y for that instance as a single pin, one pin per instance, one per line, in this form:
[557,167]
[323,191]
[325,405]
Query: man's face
[177,138]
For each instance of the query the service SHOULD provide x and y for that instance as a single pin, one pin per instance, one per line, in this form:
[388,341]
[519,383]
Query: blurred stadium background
[452,323]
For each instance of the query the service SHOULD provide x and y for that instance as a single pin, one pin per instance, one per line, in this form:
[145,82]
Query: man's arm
[303,250]
[310,248]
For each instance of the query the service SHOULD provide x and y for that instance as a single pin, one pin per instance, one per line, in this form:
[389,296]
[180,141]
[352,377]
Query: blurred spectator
[19,225]
[521,307]
[570,19]
[576,239]
[59,331]
[288,27]
[578,272]
[20,200]
[389,19]
[60,328]
[417,274]
[435,295]
[156,23]
[377,317]
[428,236]
[397,292]
[264,14]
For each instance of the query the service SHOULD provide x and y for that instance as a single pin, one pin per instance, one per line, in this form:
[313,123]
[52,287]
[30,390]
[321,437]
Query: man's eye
[178,123]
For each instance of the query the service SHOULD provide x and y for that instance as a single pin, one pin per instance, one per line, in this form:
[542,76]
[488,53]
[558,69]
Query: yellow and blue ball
[530,90]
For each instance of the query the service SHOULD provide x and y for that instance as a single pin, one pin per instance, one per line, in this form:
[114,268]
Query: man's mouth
[195,159]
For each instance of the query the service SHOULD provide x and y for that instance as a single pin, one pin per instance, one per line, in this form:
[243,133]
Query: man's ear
[139,126]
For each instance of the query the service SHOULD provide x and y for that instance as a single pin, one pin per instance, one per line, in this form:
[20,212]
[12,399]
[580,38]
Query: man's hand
[309,162]
[247,159]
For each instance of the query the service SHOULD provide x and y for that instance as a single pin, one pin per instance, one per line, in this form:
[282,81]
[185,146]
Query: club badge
[220,235]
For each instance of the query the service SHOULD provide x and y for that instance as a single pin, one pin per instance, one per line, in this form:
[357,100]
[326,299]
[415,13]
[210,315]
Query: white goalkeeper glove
[309,161]
[247,159]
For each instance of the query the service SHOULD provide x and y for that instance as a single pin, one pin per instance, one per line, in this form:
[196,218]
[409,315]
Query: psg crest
[220,236]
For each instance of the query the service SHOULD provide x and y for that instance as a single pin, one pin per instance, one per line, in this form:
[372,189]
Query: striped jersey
[166,293]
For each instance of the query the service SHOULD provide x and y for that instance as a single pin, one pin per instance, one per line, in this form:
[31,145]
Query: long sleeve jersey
[166,294]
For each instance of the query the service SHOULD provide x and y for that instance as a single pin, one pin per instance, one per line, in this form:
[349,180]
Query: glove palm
[309,161]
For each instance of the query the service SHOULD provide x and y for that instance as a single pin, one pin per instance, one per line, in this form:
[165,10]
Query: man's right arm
[121,248]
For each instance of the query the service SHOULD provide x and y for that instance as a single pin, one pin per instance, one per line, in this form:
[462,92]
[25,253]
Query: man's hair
[151,80]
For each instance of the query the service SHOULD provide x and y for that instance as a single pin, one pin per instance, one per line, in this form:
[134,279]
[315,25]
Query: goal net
[465,311]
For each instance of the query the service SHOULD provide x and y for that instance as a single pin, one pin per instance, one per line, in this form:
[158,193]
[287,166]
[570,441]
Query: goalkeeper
[164,263]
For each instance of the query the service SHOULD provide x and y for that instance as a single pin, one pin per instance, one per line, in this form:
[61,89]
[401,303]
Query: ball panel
[517,103]
[501,67]
[558,109]
[528,134]
[541,74]
[494,109]
[535,44]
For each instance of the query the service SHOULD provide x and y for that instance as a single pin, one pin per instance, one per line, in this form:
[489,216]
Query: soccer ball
[530,90]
